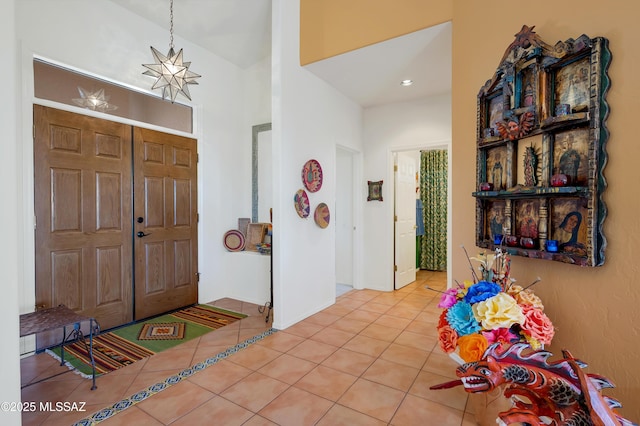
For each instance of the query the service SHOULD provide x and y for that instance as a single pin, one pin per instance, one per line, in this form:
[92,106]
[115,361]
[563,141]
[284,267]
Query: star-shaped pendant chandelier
[172,73]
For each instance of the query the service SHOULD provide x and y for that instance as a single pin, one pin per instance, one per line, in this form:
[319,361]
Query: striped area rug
[110,353]
[121,347]
[208,317]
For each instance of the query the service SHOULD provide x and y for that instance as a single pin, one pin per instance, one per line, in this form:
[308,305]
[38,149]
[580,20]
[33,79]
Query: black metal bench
[61,317]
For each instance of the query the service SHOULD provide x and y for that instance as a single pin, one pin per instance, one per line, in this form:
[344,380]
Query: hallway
[367,360]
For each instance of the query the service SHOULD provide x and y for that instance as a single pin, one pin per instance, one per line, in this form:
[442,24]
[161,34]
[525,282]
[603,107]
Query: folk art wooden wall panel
[541,138]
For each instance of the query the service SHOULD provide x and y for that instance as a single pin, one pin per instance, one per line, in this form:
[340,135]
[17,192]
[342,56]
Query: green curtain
[433,193]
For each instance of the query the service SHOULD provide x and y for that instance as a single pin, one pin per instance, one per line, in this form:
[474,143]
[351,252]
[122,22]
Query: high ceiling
[371,75]
[236,30]
[240,32]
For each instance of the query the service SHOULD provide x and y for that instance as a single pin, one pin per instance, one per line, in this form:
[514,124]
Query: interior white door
[405,219]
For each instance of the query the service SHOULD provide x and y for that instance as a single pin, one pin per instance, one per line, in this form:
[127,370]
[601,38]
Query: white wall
[248,276]
[104,39]
[244,275]
[309,119]
[10,216]
[420,124]
[257,101]
[258,93]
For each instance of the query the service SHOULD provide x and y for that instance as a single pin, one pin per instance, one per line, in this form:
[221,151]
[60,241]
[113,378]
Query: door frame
[27,292]
[168,159]
[345,235]
[26,224]
[356,211]
[446,145]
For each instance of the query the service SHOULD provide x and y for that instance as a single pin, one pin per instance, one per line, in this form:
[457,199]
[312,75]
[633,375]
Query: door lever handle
[141,234]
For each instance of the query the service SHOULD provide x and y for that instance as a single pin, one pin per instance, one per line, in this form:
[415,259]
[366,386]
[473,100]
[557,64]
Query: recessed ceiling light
[406,82]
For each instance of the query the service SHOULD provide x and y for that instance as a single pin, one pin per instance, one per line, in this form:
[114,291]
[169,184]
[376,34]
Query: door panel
[83,208]
[165,200]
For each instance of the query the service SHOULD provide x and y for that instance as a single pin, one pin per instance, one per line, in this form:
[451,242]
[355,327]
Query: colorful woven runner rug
[124,346]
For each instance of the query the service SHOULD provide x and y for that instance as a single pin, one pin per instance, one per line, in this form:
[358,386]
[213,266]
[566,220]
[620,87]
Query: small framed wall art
[375,190]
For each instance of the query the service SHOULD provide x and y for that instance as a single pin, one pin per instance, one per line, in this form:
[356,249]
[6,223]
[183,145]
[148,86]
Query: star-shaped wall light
[95,101]
[172,73]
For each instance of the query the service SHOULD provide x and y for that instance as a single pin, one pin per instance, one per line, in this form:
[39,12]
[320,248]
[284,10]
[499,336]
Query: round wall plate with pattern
[301,203]
[312,176]
[321,215]
[233,240]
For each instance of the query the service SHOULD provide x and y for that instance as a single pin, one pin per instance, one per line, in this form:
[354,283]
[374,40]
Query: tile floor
[369,359]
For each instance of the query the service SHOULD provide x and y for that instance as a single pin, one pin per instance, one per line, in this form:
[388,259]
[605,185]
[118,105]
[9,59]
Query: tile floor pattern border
[235,390]
[140,396]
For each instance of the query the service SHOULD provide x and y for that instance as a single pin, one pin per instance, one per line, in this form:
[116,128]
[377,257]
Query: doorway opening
[344,221]
[421,215]
[94,249]
[116,218]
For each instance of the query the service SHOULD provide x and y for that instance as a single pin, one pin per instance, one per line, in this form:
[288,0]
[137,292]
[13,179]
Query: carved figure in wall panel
[530,154]
[496,219]
[515,126]
[497,168]
[527,218]
[494,114]
[570,153]
[527,87]
[572,86]
[568,225]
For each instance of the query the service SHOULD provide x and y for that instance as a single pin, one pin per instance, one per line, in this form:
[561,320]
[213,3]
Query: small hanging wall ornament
[172,73]
[375,190]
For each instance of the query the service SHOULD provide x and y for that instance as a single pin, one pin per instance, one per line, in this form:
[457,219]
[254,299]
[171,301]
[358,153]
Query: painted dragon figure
[545,393]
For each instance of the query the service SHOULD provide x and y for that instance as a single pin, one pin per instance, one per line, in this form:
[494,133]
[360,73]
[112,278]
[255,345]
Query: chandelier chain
[171,24]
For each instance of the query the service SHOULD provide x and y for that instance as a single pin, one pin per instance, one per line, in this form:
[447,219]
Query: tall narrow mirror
[261,178]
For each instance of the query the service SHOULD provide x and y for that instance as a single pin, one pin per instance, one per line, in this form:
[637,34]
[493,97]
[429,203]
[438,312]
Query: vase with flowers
[489,309]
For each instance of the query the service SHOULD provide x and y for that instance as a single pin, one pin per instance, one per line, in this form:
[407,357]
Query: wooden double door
[116,218]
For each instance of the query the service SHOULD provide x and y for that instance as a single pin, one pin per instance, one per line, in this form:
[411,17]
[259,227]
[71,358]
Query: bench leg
[64,340]
[77,335]
[93,362]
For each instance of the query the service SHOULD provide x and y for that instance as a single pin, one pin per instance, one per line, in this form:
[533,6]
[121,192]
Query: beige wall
[596,310]
[332,27]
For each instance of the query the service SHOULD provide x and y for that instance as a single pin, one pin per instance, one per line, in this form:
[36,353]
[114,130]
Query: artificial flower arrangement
[490,309]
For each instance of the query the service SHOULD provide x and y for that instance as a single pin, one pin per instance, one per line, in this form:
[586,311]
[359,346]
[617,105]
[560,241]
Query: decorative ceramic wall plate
[301,203]
[312,176]
[233,240]
[321,215]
